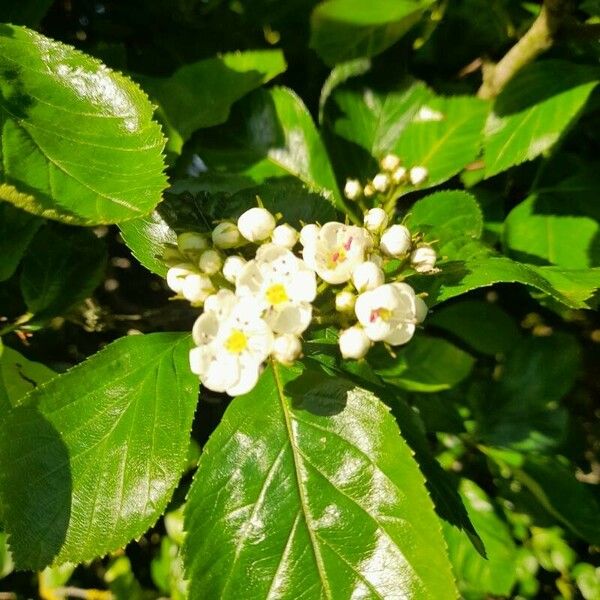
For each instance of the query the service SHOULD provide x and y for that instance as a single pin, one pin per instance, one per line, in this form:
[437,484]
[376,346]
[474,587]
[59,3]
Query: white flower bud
[420,309]
[369,190]
[390,162]
[376,219]
[309,234]
[396,240]
[226,235]
[286,348]
[345,301]
[381,182]
[210,262]
[233,265]
[352,189]
[285,236]
[177,274]
[191,243]
[171,256]
[197,288]
[354,342]
[418,175]
[376,258]
[399,175]
[367,276]
[423,259]
[256,224]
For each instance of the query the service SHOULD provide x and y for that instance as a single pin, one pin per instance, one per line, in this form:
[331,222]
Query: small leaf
[295,469]
[62,267]
[534,110]
[103,446]
[478,577]
[17,228]
[78,141]
[345,29]
[200,94]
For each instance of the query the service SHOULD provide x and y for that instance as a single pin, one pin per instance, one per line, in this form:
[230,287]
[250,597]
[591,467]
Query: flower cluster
[261,285]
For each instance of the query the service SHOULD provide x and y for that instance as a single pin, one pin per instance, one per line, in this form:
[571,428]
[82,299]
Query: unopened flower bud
[171,256]
[369,190]
[420,309]
[345,301]
[210,262]
[197,288]
[256,224]
[286,348]
[285,235]
[177,274]
[226,235]
[381,182]
[423,259]
[367,276]
[399,175]
[376,219]
[418,175]
[191,243]
[309,234]
[233,265]
[354,342]
[396,240]
[390,162]
[352,189]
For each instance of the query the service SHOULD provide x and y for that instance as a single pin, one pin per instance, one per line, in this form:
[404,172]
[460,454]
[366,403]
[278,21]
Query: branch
[538,39]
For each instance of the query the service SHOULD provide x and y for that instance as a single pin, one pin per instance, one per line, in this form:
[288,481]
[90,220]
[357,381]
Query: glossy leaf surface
[103,445]
[79,143]
[309,487]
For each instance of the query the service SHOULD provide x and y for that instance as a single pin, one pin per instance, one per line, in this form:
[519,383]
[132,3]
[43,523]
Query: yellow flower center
[276,294]
[337,257]
[237,342]
[380,313]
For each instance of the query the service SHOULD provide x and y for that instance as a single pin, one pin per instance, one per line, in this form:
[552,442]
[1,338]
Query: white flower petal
[248,376]
[205,328]
[294,318]
[302,286]
[401,334]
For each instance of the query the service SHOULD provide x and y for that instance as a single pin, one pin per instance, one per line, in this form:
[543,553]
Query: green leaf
[534,110]
[19,376]
[427,364]
[62,267]
[270,134]
[295,470]
[16,230]
[587,576]
[558,225]
[571,502]
[103,446]
[6,563]
[200,94]
[485,327]
[478,577]
[441,133]
[346,29]
[78,141]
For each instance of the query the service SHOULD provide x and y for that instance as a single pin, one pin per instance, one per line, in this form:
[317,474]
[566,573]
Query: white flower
[381,182]
[256,224]
[191,243]
[336,251]
[226,235]
[396,240]
[367,276]
[309,234]
[388,313]
[352,189]
[399,175]
[418,175]
[345,301]
[176,276]
[376,219]
[286,348]
[232,267]
[231,345]
[423,259]
[369,190]
[354,342]
[284,235]
[280,284]
[197,288]
[210,262]
[420,309]
[390,162]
